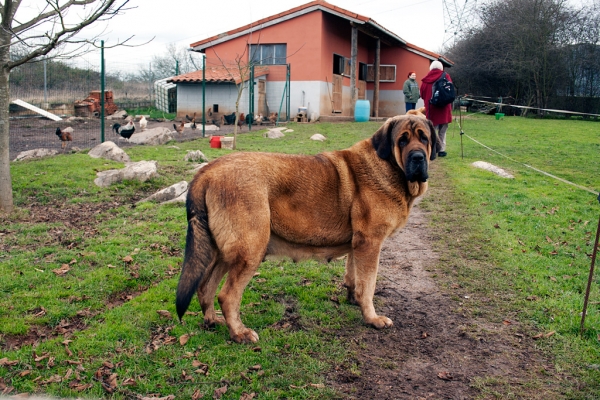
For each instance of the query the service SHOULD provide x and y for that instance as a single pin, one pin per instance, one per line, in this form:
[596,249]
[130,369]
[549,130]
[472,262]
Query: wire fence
[66,89]
[71,90]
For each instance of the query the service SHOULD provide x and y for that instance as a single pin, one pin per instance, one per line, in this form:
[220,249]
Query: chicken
[143,123]
[209,111]
[241,121]
[65,135]
[179,128]
[126,130]
[193,126]
[229,119]
[273,117]
[258,119]
[191,119]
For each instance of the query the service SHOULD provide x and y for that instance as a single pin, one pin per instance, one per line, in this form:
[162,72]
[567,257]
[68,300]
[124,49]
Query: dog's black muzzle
[416,166]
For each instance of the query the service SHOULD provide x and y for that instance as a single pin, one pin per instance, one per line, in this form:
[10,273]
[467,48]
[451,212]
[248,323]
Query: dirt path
[433,351]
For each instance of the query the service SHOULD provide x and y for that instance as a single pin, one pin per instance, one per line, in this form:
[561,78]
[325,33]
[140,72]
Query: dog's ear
[434,140]
[382,140]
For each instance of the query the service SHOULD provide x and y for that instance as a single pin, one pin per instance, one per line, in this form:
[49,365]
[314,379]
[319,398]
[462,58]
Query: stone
[274,133]
[154,136]
[120,114]
[318,136]
[110,151]
[170,193]
[35,153]
[141,170]
[195,155]
[492,168]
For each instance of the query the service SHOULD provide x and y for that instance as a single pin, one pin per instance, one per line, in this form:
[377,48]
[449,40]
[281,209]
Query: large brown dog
[244,206]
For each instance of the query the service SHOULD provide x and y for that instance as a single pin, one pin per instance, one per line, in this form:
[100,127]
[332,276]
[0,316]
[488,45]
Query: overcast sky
[183,22]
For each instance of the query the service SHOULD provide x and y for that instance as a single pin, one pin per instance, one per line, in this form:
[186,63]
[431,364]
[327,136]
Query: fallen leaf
[197,395]
[497,226]
[128,259]
[317,385]
[506,322]
[219,392]
[68,374]
[25,373]
[257,349]
[297,387]
[538,336]
[423,335]
[4,362]
[129,382]
[445,375]
[52,379]
[183,339]
[62,270]
[256,367]
[164,313]
[73,261]
[246,396]
[549,334]
[79,387]
[553,279]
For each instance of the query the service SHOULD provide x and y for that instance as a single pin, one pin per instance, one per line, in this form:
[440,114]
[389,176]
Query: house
[333,58]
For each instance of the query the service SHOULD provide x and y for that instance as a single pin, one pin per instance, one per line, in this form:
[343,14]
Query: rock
[170,193]
[74,119]
[195,155]
[155,136]
[289,131]
[75,149]
[142,171]
[274,133]
[492,168]
[110,151]
[318,136]
[121,114]
[180,199]
[174,147]
[35,153]
[198,167]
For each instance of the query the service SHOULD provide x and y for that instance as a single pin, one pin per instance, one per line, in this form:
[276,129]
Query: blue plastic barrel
[362,110]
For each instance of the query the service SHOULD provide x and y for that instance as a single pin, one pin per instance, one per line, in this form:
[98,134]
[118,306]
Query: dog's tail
[200,252]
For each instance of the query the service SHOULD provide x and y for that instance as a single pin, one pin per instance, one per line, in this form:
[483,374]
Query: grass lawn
[522,246]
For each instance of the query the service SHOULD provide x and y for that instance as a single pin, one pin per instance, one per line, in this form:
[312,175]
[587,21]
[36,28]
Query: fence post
[45,106]
[251,96]
[289,72]
[204,95]
[102,88]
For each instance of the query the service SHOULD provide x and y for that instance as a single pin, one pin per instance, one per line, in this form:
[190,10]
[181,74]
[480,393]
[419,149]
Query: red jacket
[437,115]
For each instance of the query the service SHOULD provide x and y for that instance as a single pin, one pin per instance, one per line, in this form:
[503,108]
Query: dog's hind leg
[350,278]
[240,273]
[206,294]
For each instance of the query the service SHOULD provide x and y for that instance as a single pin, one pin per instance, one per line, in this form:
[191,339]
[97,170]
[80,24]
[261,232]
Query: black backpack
[443,92]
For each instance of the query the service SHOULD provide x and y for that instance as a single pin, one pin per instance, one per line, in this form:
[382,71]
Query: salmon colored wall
[337,38]
[302,36]
[404,61]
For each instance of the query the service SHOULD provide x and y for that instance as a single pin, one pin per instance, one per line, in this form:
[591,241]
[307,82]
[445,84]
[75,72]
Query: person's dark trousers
[410,106]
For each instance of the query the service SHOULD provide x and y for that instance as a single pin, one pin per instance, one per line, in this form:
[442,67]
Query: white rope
[529,108]
[535,169]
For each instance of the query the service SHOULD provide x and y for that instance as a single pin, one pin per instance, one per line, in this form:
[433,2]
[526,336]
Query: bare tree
[53,28]
[519,50]
[165,65]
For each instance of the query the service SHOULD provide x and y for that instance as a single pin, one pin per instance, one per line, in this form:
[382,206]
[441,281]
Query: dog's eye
[403,141]
[423,138]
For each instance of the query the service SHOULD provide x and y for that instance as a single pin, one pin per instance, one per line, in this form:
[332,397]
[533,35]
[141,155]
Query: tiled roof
[317,4]
[308,7]
[219,74]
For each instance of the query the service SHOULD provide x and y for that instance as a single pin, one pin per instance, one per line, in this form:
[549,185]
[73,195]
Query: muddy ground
[34,133]
[433,351]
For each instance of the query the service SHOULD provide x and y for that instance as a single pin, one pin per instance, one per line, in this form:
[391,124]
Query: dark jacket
[411,91]
[437,115]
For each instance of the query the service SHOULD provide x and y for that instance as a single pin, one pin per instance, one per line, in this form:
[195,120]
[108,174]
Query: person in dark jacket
[439,116]
[411,91]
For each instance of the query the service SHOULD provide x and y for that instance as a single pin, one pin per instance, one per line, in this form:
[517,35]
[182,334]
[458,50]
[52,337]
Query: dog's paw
[380,322]
[245,336]
[212,322]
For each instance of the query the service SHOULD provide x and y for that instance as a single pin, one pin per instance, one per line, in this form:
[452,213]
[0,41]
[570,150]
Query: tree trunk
[6,195]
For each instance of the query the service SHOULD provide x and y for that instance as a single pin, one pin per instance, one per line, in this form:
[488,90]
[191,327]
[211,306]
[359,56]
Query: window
[341,65]
[387,73]
[268,54]
[362,71]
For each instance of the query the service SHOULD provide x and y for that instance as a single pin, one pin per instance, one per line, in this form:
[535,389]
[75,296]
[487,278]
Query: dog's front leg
[366,262]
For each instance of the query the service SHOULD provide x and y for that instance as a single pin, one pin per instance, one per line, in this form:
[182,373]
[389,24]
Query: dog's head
[410,141]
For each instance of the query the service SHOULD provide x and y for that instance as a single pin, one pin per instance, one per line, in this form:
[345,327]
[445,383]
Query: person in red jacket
[439,116]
